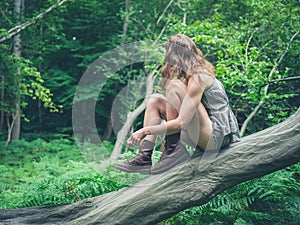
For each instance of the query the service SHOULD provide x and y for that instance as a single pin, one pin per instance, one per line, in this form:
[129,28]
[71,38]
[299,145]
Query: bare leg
[199,130]
[174,152]
[167,107]
[159,106]
[142,162]
[155,110]
[175,92]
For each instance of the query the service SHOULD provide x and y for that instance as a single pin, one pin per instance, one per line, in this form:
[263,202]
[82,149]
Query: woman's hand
[136,137]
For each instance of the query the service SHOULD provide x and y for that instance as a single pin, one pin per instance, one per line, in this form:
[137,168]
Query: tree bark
[194,183]
[108,130]
[2,100]
[126,21]
[17,50]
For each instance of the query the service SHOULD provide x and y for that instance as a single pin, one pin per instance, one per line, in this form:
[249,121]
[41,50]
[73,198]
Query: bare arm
[189,106]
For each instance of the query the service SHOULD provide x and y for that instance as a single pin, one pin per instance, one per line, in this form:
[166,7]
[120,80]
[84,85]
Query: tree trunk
[17,51]
[160,196]
[15,131]
[109,126]
[2,100]
[108,130]
[126,21]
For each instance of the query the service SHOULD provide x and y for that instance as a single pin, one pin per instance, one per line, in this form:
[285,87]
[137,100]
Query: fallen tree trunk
[160,196]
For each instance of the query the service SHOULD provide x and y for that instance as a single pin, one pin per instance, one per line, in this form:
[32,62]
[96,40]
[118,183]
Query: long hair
[183,59]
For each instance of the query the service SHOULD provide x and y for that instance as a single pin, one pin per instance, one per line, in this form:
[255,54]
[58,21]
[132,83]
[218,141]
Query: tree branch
[161,33]
[245,66]
[17,29]
[282,55]
[261,102]
[164,12]
[191,184]
[247,47]
[10,126]
[285,79]
[126,21]
[253,113]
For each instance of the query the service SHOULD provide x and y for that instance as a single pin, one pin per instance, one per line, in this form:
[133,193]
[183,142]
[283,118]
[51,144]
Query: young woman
[195,108]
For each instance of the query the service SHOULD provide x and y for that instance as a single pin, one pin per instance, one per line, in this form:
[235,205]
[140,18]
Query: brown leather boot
[173,154]
[141,163]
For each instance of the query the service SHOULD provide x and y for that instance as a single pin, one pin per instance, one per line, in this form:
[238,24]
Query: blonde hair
[183,59]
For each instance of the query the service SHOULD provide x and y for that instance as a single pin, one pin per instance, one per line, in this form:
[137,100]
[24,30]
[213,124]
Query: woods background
[46,46]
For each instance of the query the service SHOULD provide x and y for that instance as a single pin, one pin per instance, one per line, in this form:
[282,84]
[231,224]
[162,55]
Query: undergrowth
[53,172]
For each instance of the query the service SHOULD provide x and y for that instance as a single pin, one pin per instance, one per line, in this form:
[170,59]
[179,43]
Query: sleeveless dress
[224,123]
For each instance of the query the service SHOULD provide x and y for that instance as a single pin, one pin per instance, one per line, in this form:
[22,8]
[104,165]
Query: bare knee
[175,92]
[176,84]
[176,88]
[157,102]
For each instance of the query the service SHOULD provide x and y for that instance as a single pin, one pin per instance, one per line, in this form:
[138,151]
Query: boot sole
[136,169]
[179,160]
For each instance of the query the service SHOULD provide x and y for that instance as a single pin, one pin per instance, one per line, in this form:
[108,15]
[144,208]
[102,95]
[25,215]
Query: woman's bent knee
[176,84]
[157,102]
[156,99]
[176,89]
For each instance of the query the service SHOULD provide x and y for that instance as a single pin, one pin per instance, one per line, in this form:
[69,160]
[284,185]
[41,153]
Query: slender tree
[17,51]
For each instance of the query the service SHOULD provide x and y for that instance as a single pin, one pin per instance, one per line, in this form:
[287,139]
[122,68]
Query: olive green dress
[224,123]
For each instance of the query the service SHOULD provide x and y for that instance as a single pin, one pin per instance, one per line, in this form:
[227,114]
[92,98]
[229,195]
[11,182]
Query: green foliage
[40,173]
[32,85]
[67,188]
[238,37]
[22,159]
[243,39]
[248,56]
